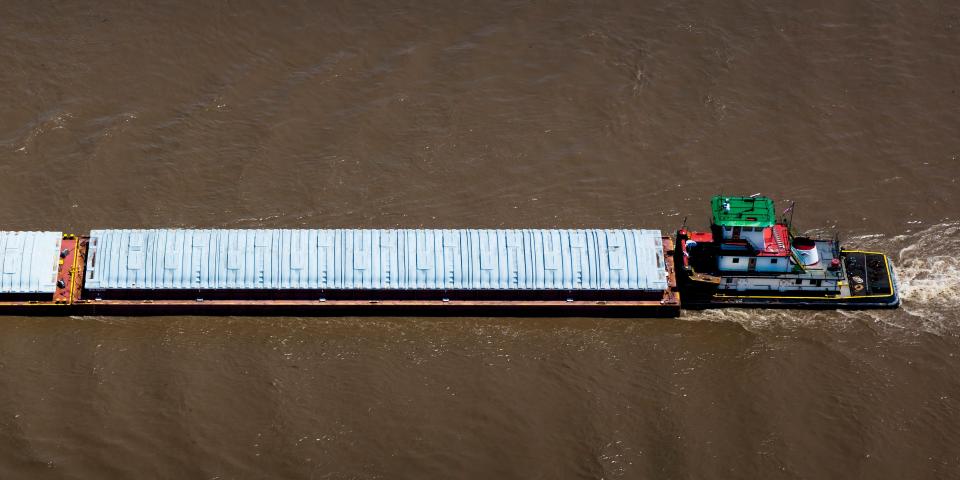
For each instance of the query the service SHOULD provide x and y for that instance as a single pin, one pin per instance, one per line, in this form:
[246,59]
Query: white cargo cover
[396,259]
[30,261]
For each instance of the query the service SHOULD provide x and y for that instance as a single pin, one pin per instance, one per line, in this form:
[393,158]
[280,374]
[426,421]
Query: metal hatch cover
[390,259]
[30,261]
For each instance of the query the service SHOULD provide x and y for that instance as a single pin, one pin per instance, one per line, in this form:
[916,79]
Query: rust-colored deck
[70,300]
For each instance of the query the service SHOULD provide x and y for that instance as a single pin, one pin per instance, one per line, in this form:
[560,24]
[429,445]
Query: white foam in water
[765,319]
[928,268]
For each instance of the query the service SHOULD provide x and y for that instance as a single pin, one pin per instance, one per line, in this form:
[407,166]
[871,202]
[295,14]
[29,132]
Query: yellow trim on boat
[73,269]
[864,251]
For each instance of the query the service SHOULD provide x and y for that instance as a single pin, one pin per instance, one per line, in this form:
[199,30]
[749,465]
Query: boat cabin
[752,241]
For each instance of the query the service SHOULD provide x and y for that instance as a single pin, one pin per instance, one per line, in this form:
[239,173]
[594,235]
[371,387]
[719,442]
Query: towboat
[749,258]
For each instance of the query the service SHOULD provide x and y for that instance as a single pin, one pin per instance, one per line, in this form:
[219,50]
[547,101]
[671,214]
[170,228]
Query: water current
[486,114]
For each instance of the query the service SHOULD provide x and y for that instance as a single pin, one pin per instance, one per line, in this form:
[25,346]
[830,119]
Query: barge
[610,272]
[747,259]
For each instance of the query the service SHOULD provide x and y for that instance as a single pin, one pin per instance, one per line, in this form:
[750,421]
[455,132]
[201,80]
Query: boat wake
[928,268]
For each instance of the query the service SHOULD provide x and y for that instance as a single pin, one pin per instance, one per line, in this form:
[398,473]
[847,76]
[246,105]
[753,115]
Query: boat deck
[868,274]
[879,289]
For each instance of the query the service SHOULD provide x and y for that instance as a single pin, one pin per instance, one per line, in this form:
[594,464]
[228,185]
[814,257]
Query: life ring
[858,287]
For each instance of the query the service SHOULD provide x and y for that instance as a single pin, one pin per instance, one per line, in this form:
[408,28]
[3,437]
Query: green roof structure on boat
[743,211]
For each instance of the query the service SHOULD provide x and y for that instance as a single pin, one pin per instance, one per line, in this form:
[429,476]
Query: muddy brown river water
[486,114]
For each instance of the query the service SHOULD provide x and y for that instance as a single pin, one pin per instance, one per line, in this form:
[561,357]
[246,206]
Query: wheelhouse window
[736,260]
[773,261]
